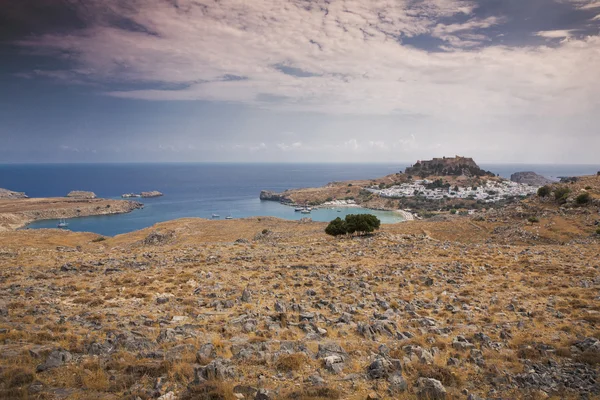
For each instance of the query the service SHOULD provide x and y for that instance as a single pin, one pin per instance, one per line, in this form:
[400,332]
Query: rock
[80,194]
[263,394]
[207,352]
[158,238]
[9,194]
[430,389]
[280,307]
[245,390]
[55,359]
[166,335]
[530,178]
[382,367]
[315,380]
[153,193]
[334,364]
[331,349]
[397,383]
[219,369]
[460,343]
[162,300]
[246,295]
[373,396]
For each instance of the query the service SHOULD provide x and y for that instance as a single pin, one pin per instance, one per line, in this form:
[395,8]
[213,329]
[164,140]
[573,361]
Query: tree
[544,191]
[337,227]
[354,223]
[362,223]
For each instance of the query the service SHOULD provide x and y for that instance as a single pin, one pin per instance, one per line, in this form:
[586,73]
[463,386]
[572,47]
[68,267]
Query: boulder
[430,389]
[55,359]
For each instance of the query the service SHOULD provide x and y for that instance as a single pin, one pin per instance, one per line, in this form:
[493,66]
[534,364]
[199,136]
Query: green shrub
[353,223]
[544,191]
[588,188]
[533,220]
[99,239]
[583,198]
[598,231]
[561,194]
[453,211]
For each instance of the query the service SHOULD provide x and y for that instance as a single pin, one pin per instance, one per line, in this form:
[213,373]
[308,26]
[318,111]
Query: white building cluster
[490,192]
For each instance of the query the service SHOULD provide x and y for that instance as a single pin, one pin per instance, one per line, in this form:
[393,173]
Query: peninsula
[18,211]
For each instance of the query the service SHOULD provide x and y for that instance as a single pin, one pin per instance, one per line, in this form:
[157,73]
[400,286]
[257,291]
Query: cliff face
[530,178]
[454,166]
[272,196]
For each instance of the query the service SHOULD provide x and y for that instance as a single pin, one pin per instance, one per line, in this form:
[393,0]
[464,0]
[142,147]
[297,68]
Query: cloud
[335,57]
[558,34]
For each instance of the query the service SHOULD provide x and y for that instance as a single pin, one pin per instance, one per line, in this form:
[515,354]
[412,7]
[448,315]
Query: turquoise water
[199,190]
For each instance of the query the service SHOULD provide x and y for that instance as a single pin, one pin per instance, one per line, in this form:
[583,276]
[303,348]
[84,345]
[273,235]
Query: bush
[354,223]
[99,239]
[544,191]
[453,211]
[588,188]
[561,194]
[583,198]
[533,220]
[598,231]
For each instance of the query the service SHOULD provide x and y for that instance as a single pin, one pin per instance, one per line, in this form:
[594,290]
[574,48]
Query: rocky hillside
[447,166]
[269,309]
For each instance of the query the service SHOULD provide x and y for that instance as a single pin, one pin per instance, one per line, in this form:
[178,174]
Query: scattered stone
[430,389]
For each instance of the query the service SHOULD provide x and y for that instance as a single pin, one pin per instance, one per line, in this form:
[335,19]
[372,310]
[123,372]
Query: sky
[299,80]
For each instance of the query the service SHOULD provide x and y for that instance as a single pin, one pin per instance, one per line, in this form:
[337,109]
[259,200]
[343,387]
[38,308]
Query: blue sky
[299,80]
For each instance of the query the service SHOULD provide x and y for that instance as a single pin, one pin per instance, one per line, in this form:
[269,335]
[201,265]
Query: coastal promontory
[18,212]
[9,194]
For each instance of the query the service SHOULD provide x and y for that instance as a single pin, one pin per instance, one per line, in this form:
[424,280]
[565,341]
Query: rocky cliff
[9,194]
[273,196]
[447,166]
[530,178]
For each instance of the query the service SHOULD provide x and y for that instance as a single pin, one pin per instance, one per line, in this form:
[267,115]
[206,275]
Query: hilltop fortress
[455,166]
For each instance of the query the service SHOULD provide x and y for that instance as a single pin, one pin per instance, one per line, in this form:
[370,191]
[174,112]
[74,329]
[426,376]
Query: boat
[229,217]
[63,224]
[305,211]
[216,216]
[298,208]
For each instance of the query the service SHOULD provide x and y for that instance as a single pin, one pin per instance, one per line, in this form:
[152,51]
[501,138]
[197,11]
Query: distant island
[441,185]
[153,193]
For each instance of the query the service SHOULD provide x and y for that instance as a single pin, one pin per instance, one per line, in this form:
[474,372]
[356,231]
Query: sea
[204,189]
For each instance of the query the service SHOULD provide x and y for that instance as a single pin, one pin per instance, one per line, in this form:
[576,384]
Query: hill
[447,166]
